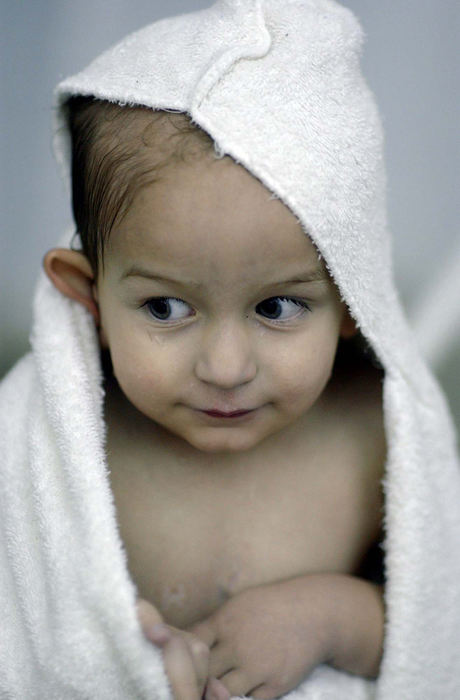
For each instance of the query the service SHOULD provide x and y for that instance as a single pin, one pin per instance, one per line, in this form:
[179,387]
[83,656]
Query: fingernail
[159,633]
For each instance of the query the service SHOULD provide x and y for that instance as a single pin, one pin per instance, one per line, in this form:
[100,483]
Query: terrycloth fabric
[277,85]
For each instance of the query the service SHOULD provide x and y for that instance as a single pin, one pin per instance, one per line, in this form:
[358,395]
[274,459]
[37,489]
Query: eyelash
[298,302]
[153,299]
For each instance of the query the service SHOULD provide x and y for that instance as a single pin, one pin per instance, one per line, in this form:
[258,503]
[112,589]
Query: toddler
[232,433]
[223,412]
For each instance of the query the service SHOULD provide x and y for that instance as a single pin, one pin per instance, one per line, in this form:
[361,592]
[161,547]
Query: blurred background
[411,63]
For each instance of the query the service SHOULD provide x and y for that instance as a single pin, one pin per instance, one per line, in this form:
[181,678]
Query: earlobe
[348,326]
[71,273]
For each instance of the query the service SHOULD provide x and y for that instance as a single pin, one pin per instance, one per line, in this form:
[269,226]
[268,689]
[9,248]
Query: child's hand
[185,656]
[265,640]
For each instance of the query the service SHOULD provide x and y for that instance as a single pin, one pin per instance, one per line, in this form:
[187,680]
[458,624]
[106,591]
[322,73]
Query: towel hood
[277,85]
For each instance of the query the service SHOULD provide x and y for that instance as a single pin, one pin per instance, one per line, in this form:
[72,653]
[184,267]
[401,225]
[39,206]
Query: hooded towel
[277,85]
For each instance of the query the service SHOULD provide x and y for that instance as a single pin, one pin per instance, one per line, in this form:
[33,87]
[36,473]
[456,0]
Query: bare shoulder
[356,396]
[355,405]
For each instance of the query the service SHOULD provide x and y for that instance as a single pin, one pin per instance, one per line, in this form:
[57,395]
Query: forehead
[199,210]
[209,205]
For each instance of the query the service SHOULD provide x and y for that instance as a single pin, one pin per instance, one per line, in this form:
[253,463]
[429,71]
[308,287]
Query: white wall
[411,62]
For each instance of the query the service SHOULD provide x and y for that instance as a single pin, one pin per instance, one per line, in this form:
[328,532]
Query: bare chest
[195,536]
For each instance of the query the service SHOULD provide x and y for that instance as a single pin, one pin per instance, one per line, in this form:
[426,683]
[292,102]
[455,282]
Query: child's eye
[281,308]
[167,308]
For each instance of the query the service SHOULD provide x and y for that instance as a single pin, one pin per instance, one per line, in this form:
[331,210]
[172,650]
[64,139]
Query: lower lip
[228,416]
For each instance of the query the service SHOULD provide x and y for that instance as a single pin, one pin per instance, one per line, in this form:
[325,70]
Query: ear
[71,273]
[348,326]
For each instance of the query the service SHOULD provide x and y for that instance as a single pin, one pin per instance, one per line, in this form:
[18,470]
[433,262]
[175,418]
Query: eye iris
[160,308]
[271,308]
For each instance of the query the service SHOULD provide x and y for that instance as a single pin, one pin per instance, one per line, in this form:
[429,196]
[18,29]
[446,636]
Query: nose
[225,356]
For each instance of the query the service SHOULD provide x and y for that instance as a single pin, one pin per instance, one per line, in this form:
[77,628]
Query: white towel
[277,84]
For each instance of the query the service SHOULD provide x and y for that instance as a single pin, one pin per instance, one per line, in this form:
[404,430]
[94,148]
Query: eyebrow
[136,271]
[317,274]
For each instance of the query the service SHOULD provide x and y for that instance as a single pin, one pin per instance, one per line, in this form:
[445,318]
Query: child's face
[212,299]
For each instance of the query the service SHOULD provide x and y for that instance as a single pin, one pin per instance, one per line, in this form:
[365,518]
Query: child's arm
[359,627]
[265,640]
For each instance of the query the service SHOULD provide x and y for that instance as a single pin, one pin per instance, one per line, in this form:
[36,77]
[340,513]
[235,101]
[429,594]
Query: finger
[263,692]
[237,682]
[148,616]
[206,631]
[216,691]
[220,661]
[200,657]
[180,669]
[161,634]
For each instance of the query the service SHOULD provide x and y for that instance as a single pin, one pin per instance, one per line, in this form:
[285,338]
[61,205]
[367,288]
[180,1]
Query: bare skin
[268,640]
[296,572]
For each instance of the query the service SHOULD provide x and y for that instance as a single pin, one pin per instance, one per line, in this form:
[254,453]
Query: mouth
[214,413]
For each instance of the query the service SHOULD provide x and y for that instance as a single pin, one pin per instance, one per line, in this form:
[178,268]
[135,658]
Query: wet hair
[115,152]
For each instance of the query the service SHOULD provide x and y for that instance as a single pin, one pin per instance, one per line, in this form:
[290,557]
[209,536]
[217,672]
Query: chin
[213,443]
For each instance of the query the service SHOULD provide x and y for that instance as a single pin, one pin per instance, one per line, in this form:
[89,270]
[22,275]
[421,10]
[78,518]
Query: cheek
[144,363]
[303,371]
